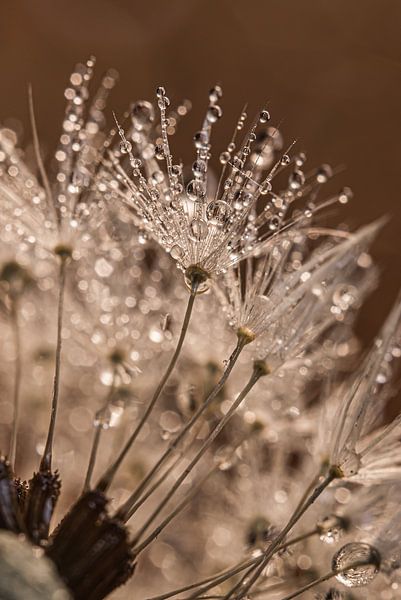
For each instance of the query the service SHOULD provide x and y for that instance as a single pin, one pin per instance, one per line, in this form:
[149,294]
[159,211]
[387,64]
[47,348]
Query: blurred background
[329,70]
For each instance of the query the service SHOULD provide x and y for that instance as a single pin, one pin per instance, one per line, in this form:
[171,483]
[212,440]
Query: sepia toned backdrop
[329,70]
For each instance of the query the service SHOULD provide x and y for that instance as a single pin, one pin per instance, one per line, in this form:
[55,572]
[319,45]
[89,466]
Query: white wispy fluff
[359,447]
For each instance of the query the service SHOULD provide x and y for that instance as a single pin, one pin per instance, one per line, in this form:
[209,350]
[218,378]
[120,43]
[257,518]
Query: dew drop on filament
[176,252]
[218,212]
[198,230]
[352,554]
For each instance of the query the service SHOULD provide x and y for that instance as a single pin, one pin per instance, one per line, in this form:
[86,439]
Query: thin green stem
[245,584]
[135,500]
[45,464]
[107,478]
[17,379]
[257,373]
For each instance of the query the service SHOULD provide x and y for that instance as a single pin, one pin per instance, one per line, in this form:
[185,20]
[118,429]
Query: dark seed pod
[43,493]
[10,513]
[91,550]
[21,489]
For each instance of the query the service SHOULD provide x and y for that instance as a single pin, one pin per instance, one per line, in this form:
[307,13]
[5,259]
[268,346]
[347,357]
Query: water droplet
[142,237]
[264,116]
[344,296]
[296,179]
[176,252]
[214,113]
[136,163]
[196,190]
[331,528]
[345,195]
[218,212]
[274,223]
[199,168]
[159,152]
[354,553]
[125,147]
[198,230]
[265,188]
[157,177]
[215,93]
[142,114]
[176,170]
[200,139]
[324,173]
[300,159]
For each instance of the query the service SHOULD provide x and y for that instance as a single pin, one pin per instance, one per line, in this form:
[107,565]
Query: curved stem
[257,373]
[45,464]
[17,380]
[135,500]
[105,481]
[244,586]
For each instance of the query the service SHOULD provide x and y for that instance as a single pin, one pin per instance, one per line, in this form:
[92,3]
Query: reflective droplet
[274,223]
[142,113]
[300,159]
[159,152]
[198,230]
[224,157]
[296,179]
[196,190]
[214,113]
[125,147]
[344,296]
[324,173]
[352,554]
[265,188]
[176,252]
[218,212]
[215,93]
[345,195]
[157,177]
[331,528]
[264,116]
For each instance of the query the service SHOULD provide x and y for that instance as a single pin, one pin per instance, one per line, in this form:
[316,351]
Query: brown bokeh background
[330,69]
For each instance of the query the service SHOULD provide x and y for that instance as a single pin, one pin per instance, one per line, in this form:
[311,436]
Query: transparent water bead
[142,113]
[264,116]
[331,528]
[352,554]
[198,230]
[218,212]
